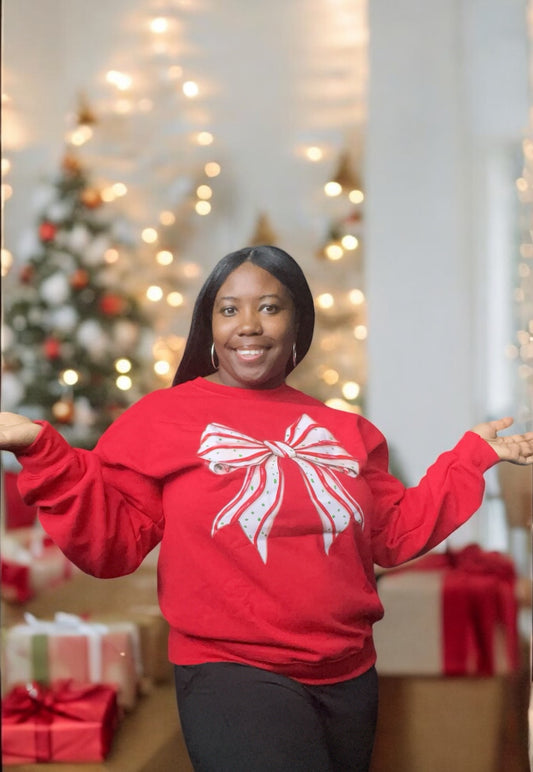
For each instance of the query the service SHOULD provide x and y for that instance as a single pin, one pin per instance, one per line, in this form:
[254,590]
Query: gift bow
[319,457]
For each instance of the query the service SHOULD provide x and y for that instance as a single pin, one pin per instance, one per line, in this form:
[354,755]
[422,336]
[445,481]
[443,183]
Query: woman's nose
[250,323]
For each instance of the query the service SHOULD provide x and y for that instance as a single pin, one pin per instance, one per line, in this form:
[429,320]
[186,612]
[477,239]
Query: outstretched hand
[16,431]
[516,448]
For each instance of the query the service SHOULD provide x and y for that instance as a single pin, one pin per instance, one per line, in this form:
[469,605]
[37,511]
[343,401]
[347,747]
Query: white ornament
[55,290]
[64,318]
[12,391]
[126,333]
[58,211]
[92,337]
[78,238]
[93,253]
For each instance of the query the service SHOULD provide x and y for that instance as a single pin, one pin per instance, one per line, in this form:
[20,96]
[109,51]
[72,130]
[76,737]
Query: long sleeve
[410,521]
[104,516]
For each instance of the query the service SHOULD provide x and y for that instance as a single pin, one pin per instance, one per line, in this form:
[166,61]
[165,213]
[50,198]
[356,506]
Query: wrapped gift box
[71,648]
[31,563]
[61,722]
[126,598]
[452,614]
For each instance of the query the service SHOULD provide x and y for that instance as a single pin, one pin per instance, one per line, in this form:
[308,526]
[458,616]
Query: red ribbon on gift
[478,601]
[40,704]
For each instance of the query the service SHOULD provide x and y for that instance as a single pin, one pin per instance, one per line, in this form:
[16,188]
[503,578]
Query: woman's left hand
[516,448]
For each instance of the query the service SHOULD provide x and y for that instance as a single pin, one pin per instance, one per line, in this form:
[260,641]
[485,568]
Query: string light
[325,300]
[202,207]
[124,382]
[123,365]
[314,153]
[175,299]
[212,169]
[149,235]
[190,89]
[69,377]
[154,293]
[167,218]
[164,257]
[120,80]
[159,25]
[204,191]
[204,138]
[6,261]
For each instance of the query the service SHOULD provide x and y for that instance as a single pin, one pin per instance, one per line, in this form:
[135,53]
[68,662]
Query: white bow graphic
[312,447]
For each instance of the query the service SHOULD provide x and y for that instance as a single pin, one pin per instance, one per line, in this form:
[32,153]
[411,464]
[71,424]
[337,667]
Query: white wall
[447,98]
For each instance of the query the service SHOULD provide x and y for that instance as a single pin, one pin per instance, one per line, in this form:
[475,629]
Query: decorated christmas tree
[77,343]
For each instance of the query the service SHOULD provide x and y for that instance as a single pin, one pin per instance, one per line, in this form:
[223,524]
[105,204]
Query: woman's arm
[105,516]
[410,521]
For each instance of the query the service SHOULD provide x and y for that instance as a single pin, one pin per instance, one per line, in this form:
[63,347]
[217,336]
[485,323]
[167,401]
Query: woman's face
[254,327]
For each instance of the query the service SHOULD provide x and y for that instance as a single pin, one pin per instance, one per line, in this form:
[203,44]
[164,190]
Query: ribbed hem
[475,449]
[187,651]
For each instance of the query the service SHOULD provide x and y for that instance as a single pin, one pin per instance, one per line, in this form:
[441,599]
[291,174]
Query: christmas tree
[77,343]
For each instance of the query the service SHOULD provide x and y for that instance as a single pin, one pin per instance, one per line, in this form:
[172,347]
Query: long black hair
[196,360]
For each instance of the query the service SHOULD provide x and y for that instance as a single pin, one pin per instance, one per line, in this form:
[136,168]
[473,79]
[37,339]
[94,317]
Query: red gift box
[31,562]
[66,721]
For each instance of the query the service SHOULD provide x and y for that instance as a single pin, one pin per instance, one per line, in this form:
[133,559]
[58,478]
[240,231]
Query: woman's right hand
[16,431]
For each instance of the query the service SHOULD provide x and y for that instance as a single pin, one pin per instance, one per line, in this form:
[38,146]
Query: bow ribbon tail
[332,502]
[256,504]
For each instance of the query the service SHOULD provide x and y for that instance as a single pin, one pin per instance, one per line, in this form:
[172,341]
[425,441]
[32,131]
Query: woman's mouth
[250,354]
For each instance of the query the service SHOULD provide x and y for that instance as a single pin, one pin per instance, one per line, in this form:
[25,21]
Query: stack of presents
[81,657]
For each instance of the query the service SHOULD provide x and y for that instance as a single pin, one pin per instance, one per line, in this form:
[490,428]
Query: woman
[271,510]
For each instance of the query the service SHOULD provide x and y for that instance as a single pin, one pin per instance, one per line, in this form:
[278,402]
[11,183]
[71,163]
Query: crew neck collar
[242,393]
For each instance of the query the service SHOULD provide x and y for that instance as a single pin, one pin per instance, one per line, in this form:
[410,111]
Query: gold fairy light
[159,25]
[204,138]
[350,390]
[123,365]
[202,207]
[360,332]
[334,251]
[167,218]
[356,297]
[204,192]
[120,80]
[149,235]
[124,382]
[154,293]
[164,257]
[314,153]
[332,189]
[161,367]
[190,89]
[349,242]
[6,166]
[111,255]
[175,299]
[330,376]
[212,169]
[325,300]
[69,377]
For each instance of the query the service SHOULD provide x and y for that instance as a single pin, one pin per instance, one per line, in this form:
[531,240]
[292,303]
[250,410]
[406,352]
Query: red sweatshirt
[271,509]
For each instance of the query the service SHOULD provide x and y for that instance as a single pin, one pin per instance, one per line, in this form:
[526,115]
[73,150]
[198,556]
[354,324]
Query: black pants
[237,718]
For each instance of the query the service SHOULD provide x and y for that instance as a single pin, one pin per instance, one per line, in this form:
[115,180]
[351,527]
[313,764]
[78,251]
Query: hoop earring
[294,355]
[213,352]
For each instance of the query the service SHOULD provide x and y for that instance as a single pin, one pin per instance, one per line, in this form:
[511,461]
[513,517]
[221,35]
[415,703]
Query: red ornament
[70,164]
[79,279]
[63,411]
[91,198]
[52,348]
[47,231]
[26,274]
[112,305]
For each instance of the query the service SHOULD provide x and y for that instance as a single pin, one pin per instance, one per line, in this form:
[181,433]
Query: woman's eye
[270,308]
[228,310]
